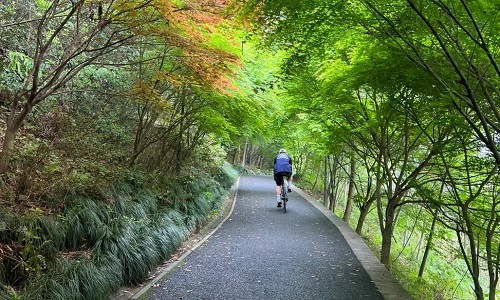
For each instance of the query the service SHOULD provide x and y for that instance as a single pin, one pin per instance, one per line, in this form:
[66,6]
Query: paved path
[259,252]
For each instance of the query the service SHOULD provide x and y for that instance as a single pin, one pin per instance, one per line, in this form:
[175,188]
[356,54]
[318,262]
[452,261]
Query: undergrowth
[95,246]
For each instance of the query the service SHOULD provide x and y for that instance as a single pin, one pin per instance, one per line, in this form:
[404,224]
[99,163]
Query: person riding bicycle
[282,167]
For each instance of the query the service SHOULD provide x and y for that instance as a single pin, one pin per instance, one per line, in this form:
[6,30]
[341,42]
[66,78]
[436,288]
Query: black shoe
[289,190]
[279,204]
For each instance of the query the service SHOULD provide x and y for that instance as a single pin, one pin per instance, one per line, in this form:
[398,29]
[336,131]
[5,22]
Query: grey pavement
[259,252]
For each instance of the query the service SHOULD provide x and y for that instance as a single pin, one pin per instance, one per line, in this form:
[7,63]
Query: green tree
[63,39]
[467,205]
[453,43]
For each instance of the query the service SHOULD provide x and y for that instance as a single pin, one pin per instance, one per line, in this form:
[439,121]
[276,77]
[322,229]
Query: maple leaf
[207,56]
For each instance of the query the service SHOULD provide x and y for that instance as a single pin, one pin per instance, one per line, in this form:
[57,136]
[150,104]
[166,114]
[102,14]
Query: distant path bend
[262,253]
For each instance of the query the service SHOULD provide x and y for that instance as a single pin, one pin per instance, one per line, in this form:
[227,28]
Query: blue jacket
[282,163]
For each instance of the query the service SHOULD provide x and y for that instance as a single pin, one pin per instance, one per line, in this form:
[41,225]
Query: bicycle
[283,195]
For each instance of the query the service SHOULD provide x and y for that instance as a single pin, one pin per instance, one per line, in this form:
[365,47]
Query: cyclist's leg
[284,187]
[277,179]
[289,181]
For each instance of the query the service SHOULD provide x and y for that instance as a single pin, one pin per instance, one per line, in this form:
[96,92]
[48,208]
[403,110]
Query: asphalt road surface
[260,252]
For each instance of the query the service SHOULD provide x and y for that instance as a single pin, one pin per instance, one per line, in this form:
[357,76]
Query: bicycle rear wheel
[284,204]
[284,197]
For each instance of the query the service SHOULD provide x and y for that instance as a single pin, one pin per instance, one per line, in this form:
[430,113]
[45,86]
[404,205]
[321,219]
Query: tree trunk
[332,199]
[179,152]
[325,184]
[316,179]
[431,234]
[245,149]
[492,256]
[333,183]
[473,261]
[363,212]
[361,220]
[14,122]
[350,192]
[493,270]
[428,246]
[7,147]
[385,252]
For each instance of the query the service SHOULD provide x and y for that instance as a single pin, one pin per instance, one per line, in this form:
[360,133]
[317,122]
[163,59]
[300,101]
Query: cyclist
[282,166]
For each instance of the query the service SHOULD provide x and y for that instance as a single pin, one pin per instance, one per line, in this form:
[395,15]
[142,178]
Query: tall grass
[165,244]
[85,222]
[95,247]
[77,279]
[8,226]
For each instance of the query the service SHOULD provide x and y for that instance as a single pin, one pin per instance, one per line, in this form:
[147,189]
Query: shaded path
[262,253]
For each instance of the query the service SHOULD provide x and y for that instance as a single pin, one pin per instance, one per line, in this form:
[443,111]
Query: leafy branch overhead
[208,47]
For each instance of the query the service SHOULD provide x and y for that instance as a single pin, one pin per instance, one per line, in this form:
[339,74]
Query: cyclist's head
[282,151]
